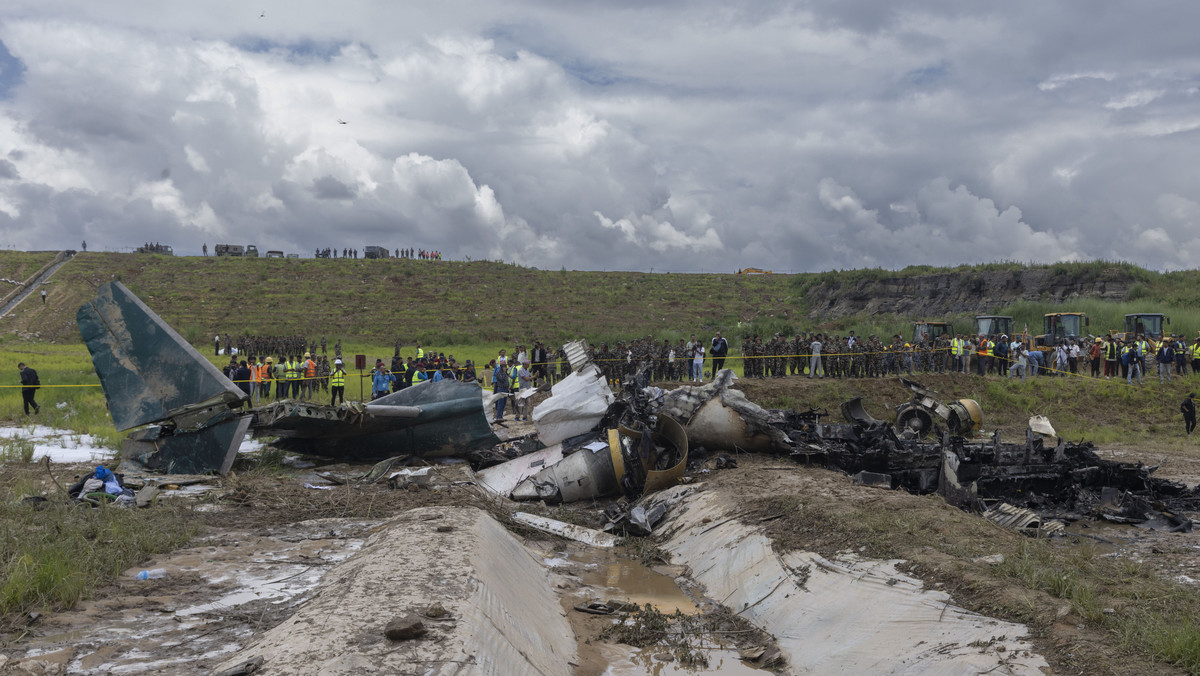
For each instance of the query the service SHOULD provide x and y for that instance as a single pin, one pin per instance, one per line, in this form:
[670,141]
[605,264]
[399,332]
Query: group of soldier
[835,356]
[284,346]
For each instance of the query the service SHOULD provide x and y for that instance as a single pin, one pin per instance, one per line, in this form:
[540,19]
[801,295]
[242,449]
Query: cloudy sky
[670,135]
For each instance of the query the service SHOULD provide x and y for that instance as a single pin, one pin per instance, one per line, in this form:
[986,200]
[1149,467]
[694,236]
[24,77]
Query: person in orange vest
[255,379]
[308,371]
[265,376]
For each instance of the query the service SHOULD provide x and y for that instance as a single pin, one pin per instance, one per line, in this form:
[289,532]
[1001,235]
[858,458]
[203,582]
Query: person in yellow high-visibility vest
[291,371]
[337,383]
[957,346]
[1196,356]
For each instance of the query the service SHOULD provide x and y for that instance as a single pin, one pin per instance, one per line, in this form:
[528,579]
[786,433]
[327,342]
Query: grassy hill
[378,300]
[453,302]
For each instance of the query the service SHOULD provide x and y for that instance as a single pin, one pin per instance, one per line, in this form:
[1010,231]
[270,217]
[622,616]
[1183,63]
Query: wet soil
[1069,643]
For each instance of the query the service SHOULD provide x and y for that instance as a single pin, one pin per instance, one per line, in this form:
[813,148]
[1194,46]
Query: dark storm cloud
[329,188]
[666,135]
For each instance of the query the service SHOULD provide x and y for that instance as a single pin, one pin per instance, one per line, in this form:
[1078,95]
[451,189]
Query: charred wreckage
[592,444]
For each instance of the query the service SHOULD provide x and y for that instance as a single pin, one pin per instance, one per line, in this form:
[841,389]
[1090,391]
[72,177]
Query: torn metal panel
[148,371]
[576,405]
[720,418]
[503,478]
[1024,521]
[175,451]
[633,462]
[584,475]
[587,536]
[432,419]
[854,412]
[577,355]
[1040,424]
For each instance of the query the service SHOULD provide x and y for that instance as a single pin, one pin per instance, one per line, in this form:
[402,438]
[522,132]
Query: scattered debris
[587,536]
[1040,424]
[1024,521]
[576,405]
[1049,476]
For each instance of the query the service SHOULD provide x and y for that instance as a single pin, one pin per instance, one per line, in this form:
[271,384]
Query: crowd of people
[332,252]
[299,372]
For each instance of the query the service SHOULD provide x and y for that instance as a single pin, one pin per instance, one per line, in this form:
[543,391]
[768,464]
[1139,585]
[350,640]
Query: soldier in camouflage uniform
[760,353]
[604,359]
[781,351]
[791,358]
[806,340]
[875,360]
[769,358]
[747,350]
[323,372]
[664,366]
[551,366]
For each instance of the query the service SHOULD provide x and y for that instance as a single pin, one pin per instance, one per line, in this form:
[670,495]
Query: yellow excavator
[754,271]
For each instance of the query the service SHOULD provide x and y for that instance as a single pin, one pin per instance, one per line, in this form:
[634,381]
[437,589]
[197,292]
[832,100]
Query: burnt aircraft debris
[922,416]
[1050,476]
[431,419]
[150,374]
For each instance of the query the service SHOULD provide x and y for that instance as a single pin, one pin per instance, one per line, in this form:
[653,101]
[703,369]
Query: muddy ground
[268,539]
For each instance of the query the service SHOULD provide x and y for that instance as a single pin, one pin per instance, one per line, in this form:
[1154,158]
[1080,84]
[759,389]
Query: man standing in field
[29,386]
[720,348]
[1188,409]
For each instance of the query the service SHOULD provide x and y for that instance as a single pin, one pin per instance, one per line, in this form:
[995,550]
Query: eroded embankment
[502,616]
[842,615]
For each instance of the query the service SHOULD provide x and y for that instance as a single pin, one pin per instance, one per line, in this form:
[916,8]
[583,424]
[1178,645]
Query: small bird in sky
[263,15]
[341,121]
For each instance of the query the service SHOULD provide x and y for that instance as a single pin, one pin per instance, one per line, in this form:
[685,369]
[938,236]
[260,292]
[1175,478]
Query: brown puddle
[588,574]
[621,579]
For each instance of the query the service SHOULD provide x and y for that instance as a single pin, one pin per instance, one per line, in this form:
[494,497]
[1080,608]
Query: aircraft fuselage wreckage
[195,416]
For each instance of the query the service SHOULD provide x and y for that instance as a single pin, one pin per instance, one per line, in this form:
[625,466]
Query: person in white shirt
[1020,357]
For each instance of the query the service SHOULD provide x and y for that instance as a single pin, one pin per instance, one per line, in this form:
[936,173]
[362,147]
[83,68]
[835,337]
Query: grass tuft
[52,554]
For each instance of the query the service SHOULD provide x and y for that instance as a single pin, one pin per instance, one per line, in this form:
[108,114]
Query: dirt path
[35,283]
